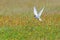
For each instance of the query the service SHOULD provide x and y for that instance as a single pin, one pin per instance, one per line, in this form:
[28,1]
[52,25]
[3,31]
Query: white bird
[36,15]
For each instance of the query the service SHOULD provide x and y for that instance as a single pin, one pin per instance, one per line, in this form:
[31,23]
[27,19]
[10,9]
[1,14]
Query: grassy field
[17,20]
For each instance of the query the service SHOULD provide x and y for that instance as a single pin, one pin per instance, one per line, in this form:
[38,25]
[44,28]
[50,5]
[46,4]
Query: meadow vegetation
[17,20]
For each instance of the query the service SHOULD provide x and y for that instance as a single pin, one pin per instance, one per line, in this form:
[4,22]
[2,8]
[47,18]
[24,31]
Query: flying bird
[38,15]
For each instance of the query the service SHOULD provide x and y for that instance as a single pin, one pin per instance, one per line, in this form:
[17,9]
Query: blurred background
[17,20]
[17,7]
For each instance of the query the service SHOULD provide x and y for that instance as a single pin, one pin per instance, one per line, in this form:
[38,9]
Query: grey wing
[41,12]
[35,11]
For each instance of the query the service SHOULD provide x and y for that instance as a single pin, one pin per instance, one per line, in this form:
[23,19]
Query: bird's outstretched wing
[41,12]
[35,11]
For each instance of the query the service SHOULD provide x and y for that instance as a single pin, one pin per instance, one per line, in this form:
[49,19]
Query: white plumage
[38,15]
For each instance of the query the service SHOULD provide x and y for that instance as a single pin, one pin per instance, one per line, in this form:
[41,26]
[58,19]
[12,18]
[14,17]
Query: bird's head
[34,15]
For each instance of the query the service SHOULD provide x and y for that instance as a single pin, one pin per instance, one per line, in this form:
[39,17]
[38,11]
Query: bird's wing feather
[35,11]
[41,12]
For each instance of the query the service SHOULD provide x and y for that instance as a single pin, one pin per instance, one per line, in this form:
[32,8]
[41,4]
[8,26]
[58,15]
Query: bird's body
[36,15]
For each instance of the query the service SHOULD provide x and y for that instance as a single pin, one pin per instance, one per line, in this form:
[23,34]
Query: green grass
[32,29]
[30,33]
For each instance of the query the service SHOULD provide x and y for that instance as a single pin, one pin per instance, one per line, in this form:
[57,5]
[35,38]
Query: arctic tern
[38,15]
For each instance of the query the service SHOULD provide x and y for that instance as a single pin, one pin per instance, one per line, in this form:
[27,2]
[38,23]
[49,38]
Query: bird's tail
[40,19]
